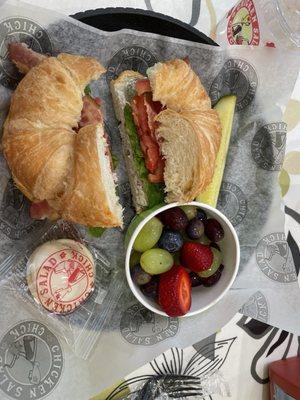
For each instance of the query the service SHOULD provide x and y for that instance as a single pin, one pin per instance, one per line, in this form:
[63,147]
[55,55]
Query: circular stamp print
[136,58]
[242,25]
[15,221]
[20,29]
[257,307]
[61,277]
[236,77]
[142,327]
[274,258]
[232,202]
[31,361]
[268,146]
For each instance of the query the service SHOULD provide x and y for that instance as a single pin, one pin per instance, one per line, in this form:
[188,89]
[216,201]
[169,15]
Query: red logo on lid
[65,280]
[242,26]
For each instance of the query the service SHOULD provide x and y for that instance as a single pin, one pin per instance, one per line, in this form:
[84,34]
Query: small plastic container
[285,379]
[275,23]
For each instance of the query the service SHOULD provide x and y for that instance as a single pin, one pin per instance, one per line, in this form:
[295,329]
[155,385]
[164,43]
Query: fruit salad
[174,252]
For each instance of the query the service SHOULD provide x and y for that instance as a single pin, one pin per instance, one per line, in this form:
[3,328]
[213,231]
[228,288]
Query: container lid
[61,275]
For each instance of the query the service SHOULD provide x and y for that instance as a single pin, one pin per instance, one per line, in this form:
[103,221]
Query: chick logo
[268,146]
[257,307]
[274,258]
[237,77]
[31,361]
[19,29]
[242,26]
[142,327]
[134,58]
[232,202]
[15,221]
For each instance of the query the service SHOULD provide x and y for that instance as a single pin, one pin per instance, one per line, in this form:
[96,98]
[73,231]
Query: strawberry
[174,291]
[196,256]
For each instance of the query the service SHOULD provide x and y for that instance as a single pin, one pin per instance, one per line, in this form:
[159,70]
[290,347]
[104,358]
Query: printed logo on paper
[268,146]
[134,58]
[232,202]
[274,258]
[236,77]
[20,29]
[242,25]
[257,307]
[15,221]
[31,361]
[142,327]
[64,281]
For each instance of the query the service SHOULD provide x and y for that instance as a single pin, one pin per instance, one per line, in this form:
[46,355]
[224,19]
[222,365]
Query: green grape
[134,258]
[190,211]
[215,264]
[149,235]
[156,261]
[176,257]
[204,240]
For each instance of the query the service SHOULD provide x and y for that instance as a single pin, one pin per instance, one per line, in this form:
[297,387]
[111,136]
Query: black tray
[114,19]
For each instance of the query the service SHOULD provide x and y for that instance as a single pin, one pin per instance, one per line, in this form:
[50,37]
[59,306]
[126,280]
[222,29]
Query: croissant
[52,160]
[187,129]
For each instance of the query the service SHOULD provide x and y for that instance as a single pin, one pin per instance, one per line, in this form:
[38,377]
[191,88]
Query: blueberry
[195,229]
[171,241]
[214,230]
[195,279]
[139,276]
[150,289]
[201,214]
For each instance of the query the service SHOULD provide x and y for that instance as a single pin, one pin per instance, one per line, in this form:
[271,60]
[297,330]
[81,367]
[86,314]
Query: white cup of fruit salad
[181,259]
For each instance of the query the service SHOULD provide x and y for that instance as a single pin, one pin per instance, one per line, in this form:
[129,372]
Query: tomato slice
[158,175]
[151,153]
[144,111]
[142,86]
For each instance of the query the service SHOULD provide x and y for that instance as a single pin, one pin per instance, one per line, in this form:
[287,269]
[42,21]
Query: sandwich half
[169,131]
[55,143]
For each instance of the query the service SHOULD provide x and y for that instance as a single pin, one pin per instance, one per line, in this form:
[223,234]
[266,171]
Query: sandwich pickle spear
[225,108]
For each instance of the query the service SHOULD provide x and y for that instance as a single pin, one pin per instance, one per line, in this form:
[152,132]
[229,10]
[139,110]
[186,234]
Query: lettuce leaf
[115,161]
[87,90]
[154,191]
[96,232]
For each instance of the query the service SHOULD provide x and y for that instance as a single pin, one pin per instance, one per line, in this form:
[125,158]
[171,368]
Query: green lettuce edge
[154,191]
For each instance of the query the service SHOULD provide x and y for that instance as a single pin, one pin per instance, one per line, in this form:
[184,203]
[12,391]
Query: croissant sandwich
[169,131]
[54,140]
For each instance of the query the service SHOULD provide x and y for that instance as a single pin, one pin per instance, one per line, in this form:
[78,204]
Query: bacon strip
[40,210]
[91,112]
[23,57]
